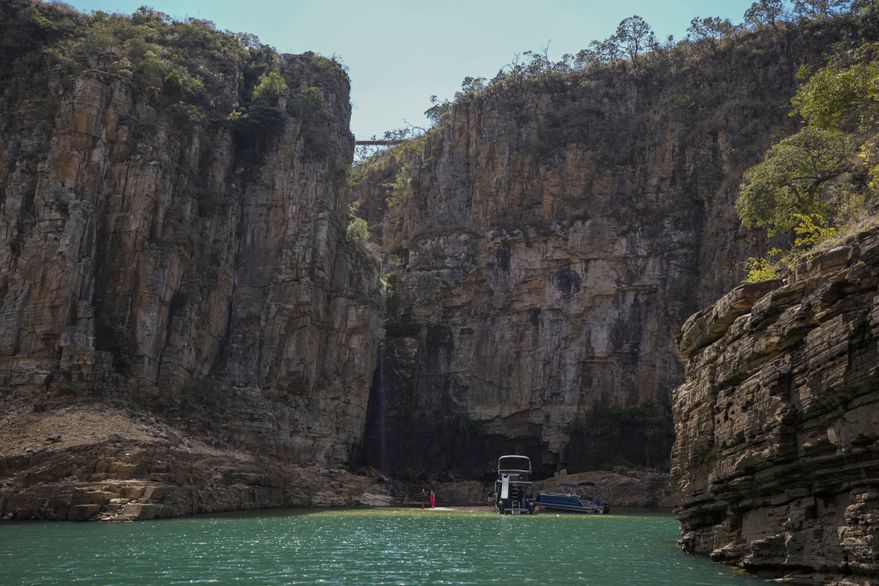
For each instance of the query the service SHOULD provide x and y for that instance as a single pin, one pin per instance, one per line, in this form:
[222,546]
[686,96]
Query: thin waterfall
[381,395]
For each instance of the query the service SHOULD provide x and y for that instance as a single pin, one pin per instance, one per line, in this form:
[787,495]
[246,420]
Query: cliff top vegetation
[634,48]
[830,33]
[185,67]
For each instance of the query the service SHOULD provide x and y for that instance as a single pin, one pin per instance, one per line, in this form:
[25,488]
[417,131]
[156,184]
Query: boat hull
[571,509]
[570,503]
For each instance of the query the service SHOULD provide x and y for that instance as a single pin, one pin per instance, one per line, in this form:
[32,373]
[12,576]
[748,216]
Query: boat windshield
[520,463]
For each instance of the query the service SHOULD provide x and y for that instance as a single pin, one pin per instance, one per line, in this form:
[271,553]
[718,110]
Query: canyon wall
[775,462]
[182,263]
[186,326]
[547,239]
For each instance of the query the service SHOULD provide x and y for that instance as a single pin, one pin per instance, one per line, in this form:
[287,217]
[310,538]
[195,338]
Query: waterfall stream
[382,406]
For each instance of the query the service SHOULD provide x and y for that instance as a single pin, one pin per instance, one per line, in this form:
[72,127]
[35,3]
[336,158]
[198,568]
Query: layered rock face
[775,459]
[84,461]
[545,242]
[196,271]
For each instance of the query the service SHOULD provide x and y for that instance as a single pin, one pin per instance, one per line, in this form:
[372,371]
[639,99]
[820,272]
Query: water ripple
[357,547]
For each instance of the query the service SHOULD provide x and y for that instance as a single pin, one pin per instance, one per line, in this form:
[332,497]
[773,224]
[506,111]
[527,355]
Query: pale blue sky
[401,52]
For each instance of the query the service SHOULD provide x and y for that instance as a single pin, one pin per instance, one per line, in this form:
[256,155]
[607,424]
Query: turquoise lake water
[398,546]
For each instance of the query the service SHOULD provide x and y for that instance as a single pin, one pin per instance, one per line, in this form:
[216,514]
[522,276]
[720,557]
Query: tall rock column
[180,306]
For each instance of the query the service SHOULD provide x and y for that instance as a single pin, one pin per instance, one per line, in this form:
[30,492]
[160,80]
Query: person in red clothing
[432,500]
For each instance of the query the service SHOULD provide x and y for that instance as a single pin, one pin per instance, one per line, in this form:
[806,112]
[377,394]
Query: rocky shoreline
[775,466]
[77,460]
[87,461]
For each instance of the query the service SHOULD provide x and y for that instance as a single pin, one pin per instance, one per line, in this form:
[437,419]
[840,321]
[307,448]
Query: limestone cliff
[775,459]
[171,252]
[547,239]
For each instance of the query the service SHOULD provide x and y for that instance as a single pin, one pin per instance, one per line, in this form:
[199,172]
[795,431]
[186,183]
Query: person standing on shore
[423,497]
[432,500]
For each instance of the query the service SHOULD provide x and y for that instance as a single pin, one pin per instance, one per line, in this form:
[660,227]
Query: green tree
[860,6]
[796,177]
[826,175]
[633,37]
[181,86]
[763,13]
[840,98]
[147,15]
[438,109]
[819,8]
[599,52]
[472,85]
[711,29]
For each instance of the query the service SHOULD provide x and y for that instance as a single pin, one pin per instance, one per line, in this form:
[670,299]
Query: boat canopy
[514,463]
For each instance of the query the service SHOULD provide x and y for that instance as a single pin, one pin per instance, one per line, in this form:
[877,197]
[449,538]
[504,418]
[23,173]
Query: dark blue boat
[571,503]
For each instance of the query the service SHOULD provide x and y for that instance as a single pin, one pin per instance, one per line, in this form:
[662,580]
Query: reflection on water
[401,546]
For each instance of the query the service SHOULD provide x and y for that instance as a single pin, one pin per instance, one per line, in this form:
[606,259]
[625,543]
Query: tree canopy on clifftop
[825,177]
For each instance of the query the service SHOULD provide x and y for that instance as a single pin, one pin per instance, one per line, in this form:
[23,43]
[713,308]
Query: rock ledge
[776,462]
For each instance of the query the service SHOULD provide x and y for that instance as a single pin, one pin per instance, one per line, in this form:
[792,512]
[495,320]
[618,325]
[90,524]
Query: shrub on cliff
[306,102]
[401,186]
[760,269]
[357,230]
[269,89]
[261,116]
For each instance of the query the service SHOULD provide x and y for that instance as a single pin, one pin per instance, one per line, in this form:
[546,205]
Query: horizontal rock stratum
[775,463]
